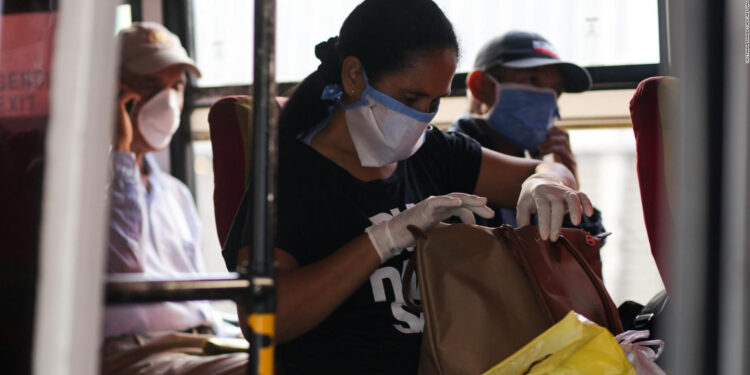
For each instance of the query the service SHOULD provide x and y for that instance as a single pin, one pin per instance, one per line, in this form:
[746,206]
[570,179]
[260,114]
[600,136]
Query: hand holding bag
[486,292]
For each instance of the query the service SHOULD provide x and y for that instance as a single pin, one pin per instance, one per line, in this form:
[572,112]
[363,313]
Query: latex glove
[550,200]
[391,237]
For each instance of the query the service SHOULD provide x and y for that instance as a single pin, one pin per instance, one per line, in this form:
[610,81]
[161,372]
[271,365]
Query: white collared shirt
[158,233]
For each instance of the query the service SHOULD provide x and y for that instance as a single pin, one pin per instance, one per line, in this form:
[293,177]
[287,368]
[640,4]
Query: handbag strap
[613,319]
[410,270]
[509,234]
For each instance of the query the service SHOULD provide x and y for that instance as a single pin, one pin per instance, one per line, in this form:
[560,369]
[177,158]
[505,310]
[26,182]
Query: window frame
[603,77]
[136,9]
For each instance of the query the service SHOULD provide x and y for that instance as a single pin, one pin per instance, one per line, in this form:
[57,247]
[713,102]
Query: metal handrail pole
[135,288]
[260,304]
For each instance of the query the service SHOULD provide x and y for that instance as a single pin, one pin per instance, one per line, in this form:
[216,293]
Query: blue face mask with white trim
[383,129]
[523,114]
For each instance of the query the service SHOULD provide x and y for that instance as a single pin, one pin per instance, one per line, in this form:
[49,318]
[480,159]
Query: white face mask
[159,118]
[383,129]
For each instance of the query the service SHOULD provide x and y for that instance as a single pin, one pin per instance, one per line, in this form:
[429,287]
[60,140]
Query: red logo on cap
[545,48]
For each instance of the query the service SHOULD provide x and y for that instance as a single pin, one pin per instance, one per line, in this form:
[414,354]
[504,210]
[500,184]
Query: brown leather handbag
[486,292]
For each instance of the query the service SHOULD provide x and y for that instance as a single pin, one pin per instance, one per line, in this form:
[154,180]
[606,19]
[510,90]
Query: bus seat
[653,124]
[232,156]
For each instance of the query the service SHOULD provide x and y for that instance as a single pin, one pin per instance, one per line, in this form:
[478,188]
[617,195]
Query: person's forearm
[557,172]
[307,295]
[125,218]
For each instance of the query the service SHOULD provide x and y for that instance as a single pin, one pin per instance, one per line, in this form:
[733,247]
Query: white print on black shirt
[409,322]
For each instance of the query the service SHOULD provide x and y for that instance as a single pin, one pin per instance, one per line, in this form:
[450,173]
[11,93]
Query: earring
[353,91]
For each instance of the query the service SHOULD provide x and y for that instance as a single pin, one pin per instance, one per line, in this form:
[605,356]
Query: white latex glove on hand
[391,237]
[550,200]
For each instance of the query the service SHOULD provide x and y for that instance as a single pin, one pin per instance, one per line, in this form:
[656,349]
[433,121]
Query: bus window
[123,17]
[584,31]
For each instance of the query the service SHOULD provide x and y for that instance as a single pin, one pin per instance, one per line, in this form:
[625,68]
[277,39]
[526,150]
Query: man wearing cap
[513,93]
[154,227]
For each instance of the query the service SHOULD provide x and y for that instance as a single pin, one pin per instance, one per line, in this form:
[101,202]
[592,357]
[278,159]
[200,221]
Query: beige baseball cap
[148,47]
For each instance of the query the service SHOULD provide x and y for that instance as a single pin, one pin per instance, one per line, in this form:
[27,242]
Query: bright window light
[587,32]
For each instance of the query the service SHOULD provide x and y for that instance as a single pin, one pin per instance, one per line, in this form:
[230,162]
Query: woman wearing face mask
[357,164]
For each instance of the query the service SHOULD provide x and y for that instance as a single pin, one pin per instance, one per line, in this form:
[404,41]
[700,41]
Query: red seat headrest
[231,142]
[651,112]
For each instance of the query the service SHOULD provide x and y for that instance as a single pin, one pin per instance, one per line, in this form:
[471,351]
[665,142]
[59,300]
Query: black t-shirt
[321,207]
[469,126]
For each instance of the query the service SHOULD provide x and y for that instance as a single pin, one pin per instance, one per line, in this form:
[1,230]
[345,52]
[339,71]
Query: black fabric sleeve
[457,158]
[290,211]
[470,127]
[465,163]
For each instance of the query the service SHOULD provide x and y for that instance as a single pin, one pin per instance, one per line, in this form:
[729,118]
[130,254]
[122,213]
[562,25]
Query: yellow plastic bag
[574,345]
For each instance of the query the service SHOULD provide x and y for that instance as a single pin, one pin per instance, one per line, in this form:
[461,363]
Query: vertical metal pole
[689,150]
[136,10]
[735,262]
[260,221]
[697,28]
[178,18]
[665,57]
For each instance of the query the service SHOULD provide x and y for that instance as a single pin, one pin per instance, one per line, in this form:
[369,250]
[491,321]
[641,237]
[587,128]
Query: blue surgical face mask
[523,114]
